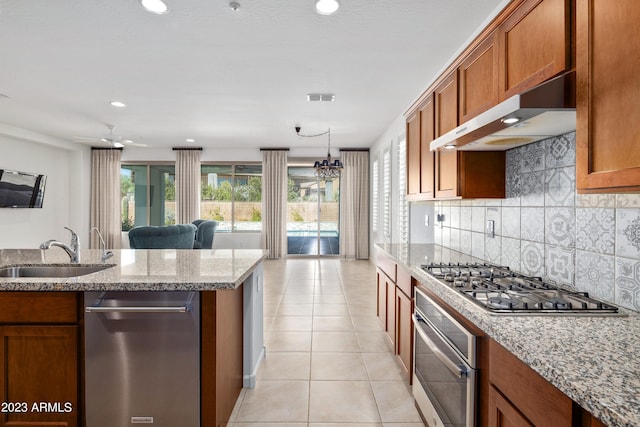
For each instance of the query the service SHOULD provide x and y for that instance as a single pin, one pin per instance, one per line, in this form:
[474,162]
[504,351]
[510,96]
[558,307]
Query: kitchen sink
[52,270]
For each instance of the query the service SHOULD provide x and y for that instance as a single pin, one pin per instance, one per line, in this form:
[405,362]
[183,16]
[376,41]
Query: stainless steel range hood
[546,110]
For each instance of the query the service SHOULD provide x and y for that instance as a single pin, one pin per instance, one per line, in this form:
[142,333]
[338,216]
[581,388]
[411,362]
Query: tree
[223,192]
[126,185]
[293,191]
[169,189]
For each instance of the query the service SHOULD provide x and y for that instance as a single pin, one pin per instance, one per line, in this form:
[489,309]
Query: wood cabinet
[427,157]
[413,154]
[535,45]
[39,358]
[395,307]
[607,87]
[534,399]
[446,118]
[478,76]
[503,413]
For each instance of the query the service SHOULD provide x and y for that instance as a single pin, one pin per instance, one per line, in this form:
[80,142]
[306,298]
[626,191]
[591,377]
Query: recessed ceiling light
[118,145]
[450,146]
[234,5]
[321,97]
[118,104]
[154,6]
[510,120]
[327,7]
[191,140]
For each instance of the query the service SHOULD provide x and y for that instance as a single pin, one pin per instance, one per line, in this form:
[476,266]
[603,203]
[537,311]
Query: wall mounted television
[21,189]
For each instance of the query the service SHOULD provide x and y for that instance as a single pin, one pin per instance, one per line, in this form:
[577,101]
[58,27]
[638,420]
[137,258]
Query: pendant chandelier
[325,168]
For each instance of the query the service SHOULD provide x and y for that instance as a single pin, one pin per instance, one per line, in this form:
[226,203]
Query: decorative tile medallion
[560,265]
[532,224]
[595,274]
[510,253]
[595,230]
[628,283]
[596,200]
[628,233]
[560,227]
[532,193]
[532,261]
[560,151]
[532,157]
[560,187]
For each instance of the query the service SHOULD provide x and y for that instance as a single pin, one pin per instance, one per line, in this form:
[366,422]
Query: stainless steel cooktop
[502,291]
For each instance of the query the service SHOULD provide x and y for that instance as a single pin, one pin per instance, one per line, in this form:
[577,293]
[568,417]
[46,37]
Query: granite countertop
[595,360]
[138,270]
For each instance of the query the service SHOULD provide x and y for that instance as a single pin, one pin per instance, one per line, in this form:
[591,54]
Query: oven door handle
[456,370]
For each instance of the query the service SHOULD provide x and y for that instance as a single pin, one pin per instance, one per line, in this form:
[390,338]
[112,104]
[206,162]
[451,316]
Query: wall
[544,228]
[66,175]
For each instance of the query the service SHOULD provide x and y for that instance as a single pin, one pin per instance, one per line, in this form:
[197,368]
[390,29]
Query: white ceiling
[224,78]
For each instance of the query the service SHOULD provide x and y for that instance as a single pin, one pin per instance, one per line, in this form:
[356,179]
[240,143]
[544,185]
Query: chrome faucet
[73,250]
[105,253]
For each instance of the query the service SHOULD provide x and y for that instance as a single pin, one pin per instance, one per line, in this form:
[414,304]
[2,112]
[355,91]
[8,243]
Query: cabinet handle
[451,365]
[98,308]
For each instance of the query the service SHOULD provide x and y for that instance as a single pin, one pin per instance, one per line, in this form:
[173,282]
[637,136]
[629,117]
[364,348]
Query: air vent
[325,97]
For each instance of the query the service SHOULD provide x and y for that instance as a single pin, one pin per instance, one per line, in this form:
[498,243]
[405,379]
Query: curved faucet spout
[72,250]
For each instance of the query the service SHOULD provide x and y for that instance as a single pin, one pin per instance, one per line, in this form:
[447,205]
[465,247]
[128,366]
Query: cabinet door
[502,413]
[391,310]
[427,157]
[446,117]
[404,330]
[478,75]
[534,44]
[382,297]
[40,366]
[413,154]
[607,66]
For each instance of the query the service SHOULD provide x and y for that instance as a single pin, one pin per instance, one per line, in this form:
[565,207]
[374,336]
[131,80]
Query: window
[375,197]
[232,195]
[147,195]
[386,194]
[403,205]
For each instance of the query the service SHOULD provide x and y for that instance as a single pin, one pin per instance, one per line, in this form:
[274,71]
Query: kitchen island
[591,359]
[42,321]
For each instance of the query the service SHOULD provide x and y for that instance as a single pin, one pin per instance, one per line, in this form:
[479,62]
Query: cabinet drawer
[388,266]
[38,307]
[404,282]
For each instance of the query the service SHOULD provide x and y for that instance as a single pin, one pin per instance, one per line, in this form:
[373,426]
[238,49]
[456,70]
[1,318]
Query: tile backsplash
[590,242]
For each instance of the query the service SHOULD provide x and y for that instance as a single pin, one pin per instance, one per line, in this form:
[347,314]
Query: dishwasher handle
[98,308]
[455,369]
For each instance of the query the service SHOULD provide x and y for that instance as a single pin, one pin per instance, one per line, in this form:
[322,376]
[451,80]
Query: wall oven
[444,381]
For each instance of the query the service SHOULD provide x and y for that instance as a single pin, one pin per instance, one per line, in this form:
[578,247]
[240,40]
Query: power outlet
[491,228]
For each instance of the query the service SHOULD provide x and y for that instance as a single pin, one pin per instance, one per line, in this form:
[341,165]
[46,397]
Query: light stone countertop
[138,270]
[595,360]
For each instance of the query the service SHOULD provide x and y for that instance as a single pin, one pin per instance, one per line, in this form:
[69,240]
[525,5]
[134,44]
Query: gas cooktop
[502,291]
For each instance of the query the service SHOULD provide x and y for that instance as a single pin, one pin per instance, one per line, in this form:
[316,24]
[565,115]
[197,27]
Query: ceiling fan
[111,139]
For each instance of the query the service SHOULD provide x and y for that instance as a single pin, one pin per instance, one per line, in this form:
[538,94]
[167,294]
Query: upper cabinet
[478,75]
[534,45]
[529,42]
[607,88]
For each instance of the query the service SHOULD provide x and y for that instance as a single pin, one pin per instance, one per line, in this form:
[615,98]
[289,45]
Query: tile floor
[328,361]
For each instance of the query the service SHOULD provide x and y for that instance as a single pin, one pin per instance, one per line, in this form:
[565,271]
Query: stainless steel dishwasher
[142,359]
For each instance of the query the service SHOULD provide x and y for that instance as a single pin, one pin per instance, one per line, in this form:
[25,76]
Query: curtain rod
[274,149]
[354,149]
[107,148]
[186,148]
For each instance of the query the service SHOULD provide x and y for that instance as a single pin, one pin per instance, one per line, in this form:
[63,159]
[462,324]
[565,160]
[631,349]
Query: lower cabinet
[40,365]
[502,413]
[404,330]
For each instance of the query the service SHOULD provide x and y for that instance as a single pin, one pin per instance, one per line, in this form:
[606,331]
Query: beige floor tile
[374,342]
[332,324]
[338,366]
[420,424]
[335,342]
[329,299]
[345,425]
[236,407]
[268,425]
[342,401]
[267,323]
[370,323]
[285,366]
[292,323]
[297,299]
[288,341]
[295,310]
[330,310]
[270,310]
[395,401]
[300,286]
[360,309]
[383,366]
[275,402]
[328,288]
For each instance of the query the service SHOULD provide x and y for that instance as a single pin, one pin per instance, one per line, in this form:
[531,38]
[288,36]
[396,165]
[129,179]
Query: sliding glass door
[313,213]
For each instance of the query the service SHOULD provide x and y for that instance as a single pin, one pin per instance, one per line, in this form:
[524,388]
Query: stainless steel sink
[52,270]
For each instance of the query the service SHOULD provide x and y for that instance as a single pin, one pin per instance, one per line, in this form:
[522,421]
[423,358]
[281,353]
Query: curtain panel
[105,197]
[187,184]
[354,205]
[274,202]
